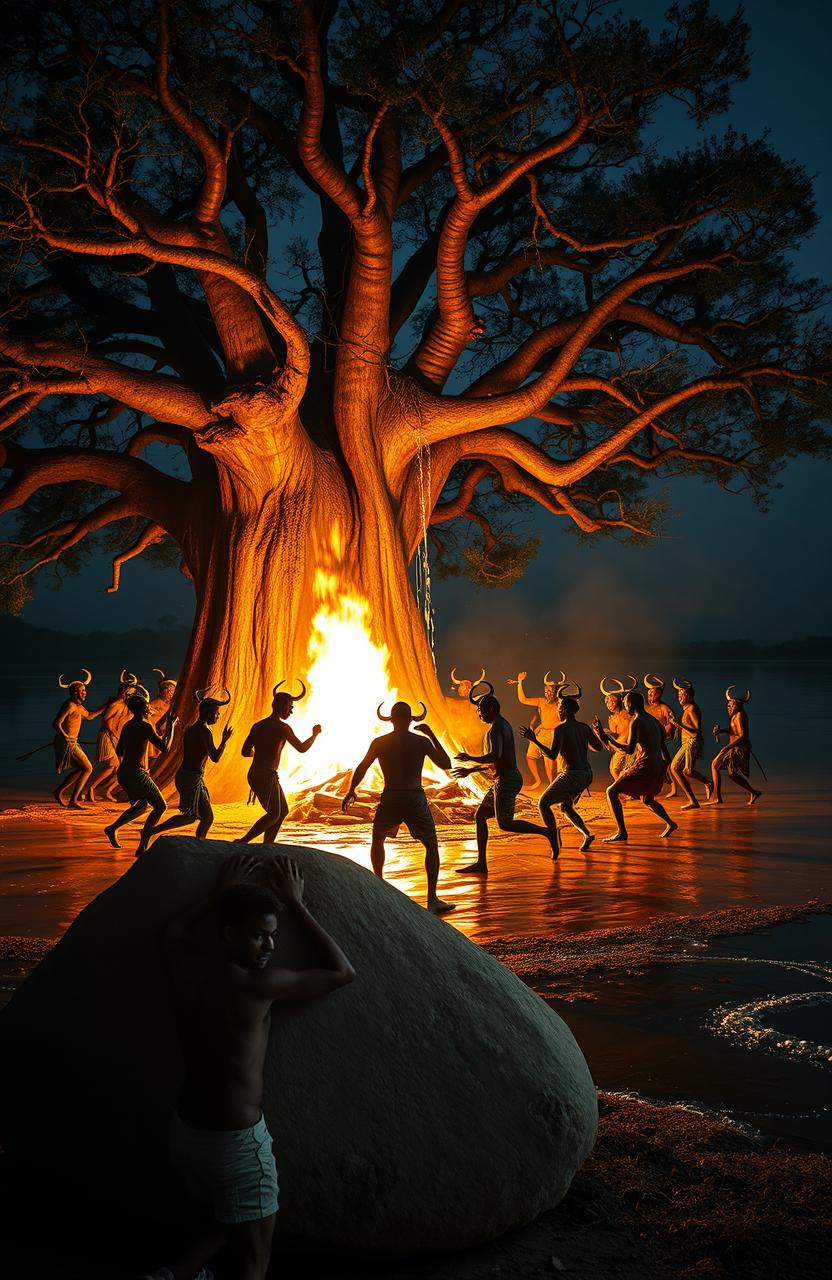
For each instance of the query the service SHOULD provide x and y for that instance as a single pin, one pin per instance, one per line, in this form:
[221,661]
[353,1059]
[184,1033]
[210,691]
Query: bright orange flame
[347,677]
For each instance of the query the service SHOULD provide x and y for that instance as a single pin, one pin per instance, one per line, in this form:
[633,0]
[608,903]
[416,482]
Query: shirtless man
[265,742]
[571,741]
[663,712]
[133,777]
[198,746]
[68,754]
[683,764]
[401,756]
[160,707]
[113,721]
[736,755]
[547,710]
[645,777]
[500,761]
[618,722]
[223,995]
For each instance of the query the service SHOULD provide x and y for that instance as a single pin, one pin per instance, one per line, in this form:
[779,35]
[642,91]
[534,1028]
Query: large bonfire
[499,298]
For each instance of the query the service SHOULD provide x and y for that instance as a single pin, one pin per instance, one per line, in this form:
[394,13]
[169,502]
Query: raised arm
[433,747]
[178,931]
[293,738]
[285,879]
[521,693]
[215,753]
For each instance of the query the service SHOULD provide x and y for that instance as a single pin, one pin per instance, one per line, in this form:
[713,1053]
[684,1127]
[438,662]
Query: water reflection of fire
[347,676]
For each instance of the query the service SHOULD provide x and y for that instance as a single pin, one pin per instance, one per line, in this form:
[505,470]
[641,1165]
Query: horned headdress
[679,685]
[477,701]
[201,695]
[127,678]
[139,691]
[730,696]
[457,680]
[565,690]
[86,676]
[388,719]
[295,698]
[653,682]
[163,679]
[609,692]
[549,682]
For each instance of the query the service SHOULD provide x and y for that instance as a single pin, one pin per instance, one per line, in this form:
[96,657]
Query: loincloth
[407,805]
[566,787]
[642,780]
[193,793]
[106,745]
[546,737]
[68,755]
[138,786]
[265,786]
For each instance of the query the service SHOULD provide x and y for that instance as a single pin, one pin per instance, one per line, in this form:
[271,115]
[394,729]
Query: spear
[26,754]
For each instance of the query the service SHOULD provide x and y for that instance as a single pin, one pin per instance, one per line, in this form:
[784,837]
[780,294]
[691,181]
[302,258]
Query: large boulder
[430,1105]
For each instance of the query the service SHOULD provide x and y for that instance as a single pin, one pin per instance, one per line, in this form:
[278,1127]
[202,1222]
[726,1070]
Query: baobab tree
[379,274]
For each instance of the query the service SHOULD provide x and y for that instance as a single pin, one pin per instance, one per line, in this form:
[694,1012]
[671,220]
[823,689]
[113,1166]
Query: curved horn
[199,694]
[277,686]
[224,701]
[747,697]
[140,692]
[64,684]
[481,677]
[296,697]
[570,684]
[730,696]
[608,692]
[381,714]
[679,685]
[547,679]
[653,682]
[87,675]
[127,677]
[633,684]
[477,701]
[423,716]
[454,677]
[160,673]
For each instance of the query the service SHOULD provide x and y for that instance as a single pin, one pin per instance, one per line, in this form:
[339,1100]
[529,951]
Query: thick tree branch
[148,538]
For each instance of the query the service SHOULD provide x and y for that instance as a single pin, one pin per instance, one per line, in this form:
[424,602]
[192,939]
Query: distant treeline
[165,647]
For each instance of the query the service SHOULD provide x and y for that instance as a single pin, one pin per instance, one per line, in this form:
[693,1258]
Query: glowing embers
[347,677]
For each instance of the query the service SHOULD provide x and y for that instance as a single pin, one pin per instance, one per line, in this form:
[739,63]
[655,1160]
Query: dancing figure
[645,777]
[500,761]
[735,757]
[571,741]
[618,722]
[265,742]
[198,747]
[401,755]
[133,777]
[549,717]
[113,720]
[69,755]
[683,765]
[160,707]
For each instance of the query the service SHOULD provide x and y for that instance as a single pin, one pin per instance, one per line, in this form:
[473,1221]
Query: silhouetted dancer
[197,748]
[500,761]
[133,777]
[223,996]
[571,741]
[114,718]
[645,777]
[660,710]
[68,753]
[160,707]
[547,711]
[618,722]
[683,765]
[735,757]
[401,756]
[265,742]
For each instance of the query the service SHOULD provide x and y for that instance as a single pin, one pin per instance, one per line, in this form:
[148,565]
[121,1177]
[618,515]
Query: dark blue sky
[723,570]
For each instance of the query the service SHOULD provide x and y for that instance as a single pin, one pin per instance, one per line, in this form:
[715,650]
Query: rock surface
[430,1105]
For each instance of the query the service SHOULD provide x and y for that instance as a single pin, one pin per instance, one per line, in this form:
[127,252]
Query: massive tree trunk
[280,538]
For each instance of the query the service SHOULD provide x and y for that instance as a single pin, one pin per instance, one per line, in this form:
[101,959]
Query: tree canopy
[215,212]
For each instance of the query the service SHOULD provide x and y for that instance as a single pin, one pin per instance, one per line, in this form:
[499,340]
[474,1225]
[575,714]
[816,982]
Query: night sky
[723,570]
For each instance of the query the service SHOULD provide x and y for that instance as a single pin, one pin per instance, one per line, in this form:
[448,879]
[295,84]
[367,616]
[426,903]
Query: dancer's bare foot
[58,796]
[554,841]
[587,841]
[111,836]
[75,804]
[716,800]
[440,908]
[620,837]
[109,798]
[669,829]
[691,804]
[475,869]
[754,797]
[709,786]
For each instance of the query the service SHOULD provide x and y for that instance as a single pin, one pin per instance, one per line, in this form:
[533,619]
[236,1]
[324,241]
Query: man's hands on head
[285,879]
